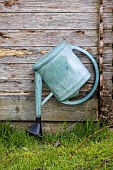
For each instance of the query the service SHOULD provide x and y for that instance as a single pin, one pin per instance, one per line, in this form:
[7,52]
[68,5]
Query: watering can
[64,74]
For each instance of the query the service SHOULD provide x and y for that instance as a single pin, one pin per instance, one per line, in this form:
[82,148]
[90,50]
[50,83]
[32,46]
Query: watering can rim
[50,55]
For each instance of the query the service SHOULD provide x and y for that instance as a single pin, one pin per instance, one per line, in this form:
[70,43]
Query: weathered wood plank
[107,108]
[32,54]
[107,38]
[49,21]
[107,81]
[23,85]
[53,37]
[45,91]
[37,37]
[107,21]
[107,49]
[13,88]
[54,6]
[107,58]
[20,77]
[24,110]
[107,6]
[48,6]
[107,53]
[17,84]
[24,71]
[47,127]
[108,71]
[107,90]
[53,21]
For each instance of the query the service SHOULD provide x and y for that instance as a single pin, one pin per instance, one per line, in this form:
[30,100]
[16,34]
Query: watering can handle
[96,78]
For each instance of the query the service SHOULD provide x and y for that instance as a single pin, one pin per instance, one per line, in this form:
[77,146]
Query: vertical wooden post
[100,51]
[105,105]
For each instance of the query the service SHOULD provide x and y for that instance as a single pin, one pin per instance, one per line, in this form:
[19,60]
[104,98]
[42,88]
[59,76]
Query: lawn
[87,147]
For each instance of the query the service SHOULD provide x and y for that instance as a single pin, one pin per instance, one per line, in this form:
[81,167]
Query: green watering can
[64,74]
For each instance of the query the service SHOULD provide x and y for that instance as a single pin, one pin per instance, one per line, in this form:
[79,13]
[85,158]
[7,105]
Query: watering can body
[62,71]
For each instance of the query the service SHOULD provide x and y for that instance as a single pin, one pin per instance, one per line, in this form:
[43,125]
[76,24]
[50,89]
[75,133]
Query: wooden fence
[28,29]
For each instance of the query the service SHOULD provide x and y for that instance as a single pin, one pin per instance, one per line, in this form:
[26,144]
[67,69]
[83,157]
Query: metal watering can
[64,74]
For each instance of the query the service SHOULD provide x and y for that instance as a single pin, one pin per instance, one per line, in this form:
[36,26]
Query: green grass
[78,149]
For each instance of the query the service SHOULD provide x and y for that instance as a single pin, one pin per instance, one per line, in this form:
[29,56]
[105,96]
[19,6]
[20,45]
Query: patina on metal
[64,74]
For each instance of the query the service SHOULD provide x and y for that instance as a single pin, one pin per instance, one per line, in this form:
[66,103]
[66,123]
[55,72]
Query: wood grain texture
[32,54]
[23,110]
[54,6]
[107,6]
[49,21]
[53,21]
[107,58]
[21,77]
[36,37]
[107,52]
[48,6]
[23,85]
[107,21]
[108,70]
[47,127]
[24,71]
[53,37]
[106,99]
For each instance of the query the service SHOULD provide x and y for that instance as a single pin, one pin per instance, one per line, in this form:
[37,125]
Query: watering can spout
[36,128]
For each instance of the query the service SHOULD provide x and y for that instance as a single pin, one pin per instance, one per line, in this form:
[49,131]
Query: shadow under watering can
[64,74]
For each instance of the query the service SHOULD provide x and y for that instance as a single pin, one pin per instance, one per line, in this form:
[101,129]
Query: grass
[85,148]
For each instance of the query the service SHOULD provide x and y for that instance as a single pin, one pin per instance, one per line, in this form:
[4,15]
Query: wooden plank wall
[106,61]
[28,29]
